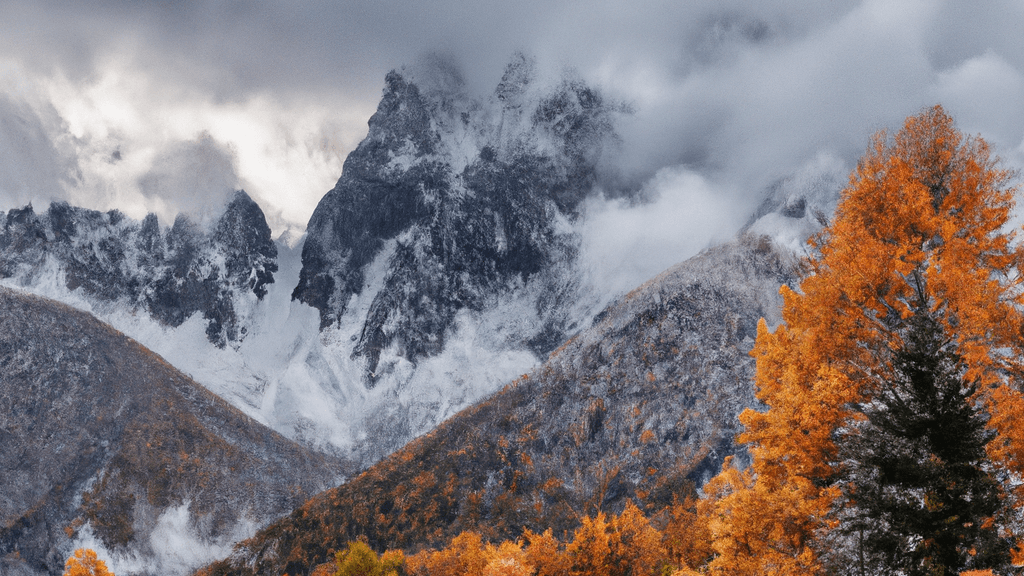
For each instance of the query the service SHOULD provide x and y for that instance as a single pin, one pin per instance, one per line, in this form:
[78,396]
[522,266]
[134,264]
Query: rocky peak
[402,120]
[378,195]
[170,274]
[470,199]
[249,250]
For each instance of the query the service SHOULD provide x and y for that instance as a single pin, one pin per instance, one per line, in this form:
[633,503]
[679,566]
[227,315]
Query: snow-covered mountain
[170,275]
[442,265]
[464,203]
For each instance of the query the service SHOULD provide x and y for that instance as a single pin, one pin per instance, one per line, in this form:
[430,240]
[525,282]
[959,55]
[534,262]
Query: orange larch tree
[84,562]
[921,231]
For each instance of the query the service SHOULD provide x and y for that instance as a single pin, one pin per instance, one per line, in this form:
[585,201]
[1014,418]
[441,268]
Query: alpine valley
[434,356]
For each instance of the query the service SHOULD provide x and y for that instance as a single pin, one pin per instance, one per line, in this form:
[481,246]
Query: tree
[360,560]
[84,562]
[687,534]
[545,553]
[919,495]
[466,554]
[591,547]
[507,559]
[916,283]
[626,545]
[637,548]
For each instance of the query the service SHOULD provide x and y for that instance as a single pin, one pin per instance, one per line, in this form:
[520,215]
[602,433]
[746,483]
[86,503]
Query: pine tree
[920,497]
[902,342]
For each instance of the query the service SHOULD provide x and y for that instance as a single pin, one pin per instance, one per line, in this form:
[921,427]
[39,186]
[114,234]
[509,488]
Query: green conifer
[920,495]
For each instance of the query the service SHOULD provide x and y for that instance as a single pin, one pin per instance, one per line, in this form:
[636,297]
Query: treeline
[628,544]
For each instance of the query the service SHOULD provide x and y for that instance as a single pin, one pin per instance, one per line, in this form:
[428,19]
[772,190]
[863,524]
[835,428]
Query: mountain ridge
[170,274]
[101,435]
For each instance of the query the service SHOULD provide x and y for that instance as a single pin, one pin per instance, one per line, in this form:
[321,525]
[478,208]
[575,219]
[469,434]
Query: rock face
[467,201]
[104,443]
[169,274]
[639,406]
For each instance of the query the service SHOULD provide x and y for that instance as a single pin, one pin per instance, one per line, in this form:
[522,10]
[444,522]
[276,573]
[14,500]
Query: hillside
[101,441]
[640,406]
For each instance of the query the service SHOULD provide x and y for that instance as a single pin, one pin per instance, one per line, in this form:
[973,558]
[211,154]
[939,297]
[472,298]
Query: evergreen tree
[920,497]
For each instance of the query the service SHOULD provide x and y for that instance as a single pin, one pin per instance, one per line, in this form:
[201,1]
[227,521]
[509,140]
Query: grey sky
[734,95]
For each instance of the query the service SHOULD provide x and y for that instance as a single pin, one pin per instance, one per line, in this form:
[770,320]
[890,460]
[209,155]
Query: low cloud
[174,545]
[197,177]
[626,243]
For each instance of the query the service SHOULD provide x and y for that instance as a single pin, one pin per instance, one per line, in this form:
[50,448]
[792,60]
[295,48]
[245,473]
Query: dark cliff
[474,196]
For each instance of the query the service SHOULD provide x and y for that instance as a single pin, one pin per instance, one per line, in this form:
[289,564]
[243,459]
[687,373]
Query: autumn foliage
[84,562]
[920,235]
[623,545]
[627,544]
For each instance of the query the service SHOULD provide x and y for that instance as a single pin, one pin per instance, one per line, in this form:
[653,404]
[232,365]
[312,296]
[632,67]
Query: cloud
[985,93]
[35,167]
[740,94]
[197,177]
[174,545]
[626,243]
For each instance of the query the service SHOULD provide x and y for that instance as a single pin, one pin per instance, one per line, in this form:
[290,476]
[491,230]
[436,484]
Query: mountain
[443,264]
[102,443]
[169,275]
[463,202]
[641,406]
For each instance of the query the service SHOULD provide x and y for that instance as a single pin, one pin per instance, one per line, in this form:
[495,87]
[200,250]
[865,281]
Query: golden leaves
[921,228]
[84,562]
[623,545]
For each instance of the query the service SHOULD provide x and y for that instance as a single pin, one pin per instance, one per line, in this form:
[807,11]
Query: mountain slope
[639,406]
[102,441]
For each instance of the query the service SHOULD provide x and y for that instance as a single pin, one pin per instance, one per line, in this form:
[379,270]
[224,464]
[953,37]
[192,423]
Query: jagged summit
[249,251]
[170,274]
[463,201]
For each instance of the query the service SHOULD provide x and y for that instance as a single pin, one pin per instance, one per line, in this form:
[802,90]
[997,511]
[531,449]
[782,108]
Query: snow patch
[174,546]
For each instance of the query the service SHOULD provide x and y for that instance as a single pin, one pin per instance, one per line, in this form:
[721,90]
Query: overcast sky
[166,106]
